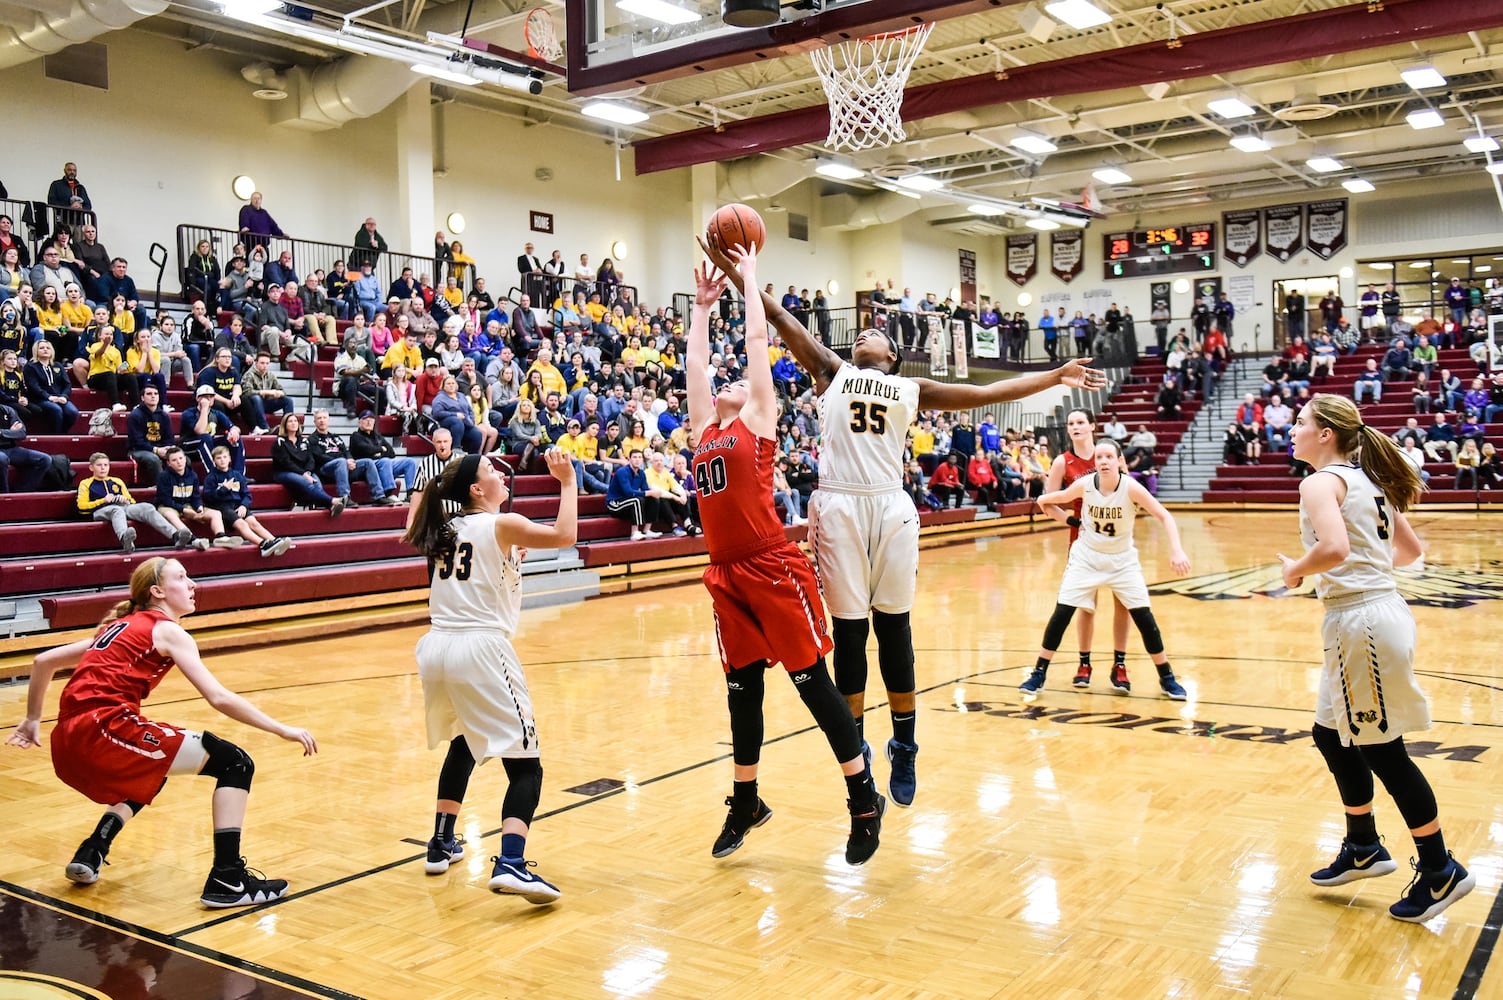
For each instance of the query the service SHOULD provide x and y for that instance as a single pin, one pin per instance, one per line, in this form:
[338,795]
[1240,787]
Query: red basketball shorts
[112,754]
[768,607]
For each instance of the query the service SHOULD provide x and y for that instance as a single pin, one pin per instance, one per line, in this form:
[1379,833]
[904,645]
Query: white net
[864,81]
[542,38]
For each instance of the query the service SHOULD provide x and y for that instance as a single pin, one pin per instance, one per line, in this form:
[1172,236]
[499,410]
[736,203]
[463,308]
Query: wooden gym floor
[1082,845]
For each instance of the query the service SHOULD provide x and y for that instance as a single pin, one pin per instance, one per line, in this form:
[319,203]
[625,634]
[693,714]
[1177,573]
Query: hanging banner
[938,343]
[1022,257]
[967,276]
[1283,228]
[1066,254]
[986,341]
[1242,290]
[1325,227]
[957,338]
[1242,236]
[1097,301]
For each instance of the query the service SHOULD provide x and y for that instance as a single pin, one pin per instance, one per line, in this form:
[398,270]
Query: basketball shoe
[1034,682]
[733,834]
[1120,683]
[1083,676]
[441,853]
[866,832]
[903,784]
[513,878]
[1171,688]
[240,886]
[86,863]
[1356,861]
[1432,892]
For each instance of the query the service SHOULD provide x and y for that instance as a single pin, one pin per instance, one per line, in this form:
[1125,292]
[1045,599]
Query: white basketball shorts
[1089,570]
[473,687]
[1368,692]
[866,551]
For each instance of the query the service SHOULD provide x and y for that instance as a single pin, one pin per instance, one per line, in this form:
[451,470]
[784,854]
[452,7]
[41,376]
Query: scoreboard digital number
[1169,250]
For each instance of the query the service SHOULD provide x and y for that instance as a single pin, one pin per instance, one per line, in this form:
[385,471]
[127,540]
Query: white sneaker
[636,535]
[118,408]
[653,534]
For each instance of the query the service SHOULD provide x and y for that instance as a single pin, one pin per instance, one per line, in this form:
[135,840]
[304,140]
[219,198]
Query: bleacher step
[582,582]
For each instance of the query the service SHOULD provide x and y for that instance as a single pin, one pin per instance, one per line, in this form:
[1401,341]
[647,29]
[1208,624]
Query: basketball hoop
[542,40]
[864,84]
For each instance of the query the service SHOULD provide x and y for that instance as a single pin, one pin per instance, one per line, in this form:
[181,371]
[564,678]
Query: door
[1313,289]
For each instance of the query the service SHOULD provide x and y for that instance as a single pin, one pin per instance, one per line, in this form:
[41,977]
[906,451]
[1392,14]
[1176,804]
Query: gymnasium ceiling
[1350,106]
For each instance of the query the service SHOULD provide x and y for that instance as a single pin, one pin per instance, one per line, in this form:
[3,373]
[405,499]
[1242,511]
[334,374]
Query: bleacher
[1270,480]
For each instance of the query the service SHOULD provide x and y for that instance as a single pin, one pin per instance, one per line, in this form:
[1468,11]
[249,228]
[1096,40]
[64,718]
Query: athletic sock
[104,832]
[227,849]
[1361,828]
[1432,851]
[1042,665]
[443,825]
[902,727]
[1085,661]
[513,846]
[1163,668]
[1119,657]
[744,797]
[860,790]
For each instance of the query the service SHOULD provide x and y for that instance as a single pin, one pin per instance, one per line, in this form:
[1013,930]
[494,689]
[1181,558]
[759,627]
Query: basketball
[737,225]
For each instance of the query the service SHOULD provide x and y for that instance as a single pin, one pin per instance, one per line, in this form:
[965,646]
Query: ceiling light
[1425,118]
[839,171]
[1323,164]
[243,187]
[1481,143]
[919,182]
[1250,142]
[1357,185]
[1030,143]
[455,222]
[1423,77]
[1482,269]
[1078,13]
[1495,168]
[1231,107]
[658,10]
[1379,266]
[985,210]
[1417,264]
[610,111]
[445,74]
[1111,175]
[1044,224]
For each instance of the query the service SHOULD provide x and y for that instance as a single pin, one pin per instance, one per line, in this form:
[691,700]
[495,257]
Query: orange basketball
[737,225]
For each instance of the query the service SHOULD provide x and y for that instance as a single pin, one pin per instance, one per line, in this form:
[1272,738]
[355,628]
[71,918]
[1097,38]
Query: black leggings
[1353,768]
[894,652]
[745,688]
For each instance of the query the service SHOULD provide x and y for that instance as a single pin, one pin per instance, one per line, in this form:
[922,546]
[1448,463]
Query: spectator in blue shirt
[117,282]
[281,271]
[180,502]
[630,499]
[227,490]
[1370,382]
[367,290]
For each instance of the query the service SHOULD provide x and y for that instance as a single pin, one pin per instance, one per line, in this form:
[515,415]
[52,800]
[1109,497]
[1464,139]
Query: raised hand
[709,282]
[1076,375]
[746,262]
[560,465]
[720,257]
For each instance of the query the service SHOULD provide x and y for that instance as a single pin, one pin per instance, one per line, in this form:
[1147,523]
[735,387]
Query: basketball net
[864,81]
[542,39]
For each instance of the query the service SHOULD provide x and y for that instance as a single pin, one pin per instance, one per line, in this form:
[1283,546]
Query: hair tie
[459,486]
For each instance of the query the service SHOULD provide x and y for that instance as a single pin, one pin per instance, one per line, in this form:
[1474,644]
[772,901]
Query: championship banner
[1066,254]
[967,276]
[1283,228]
[1022,257]
[957,337]
[1242,236]
[1325,227]
[986,342]
[939,344]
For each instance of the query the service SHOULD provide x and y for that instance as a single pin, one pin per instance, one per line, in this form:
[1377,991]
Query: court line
[1482,951]
[167,941]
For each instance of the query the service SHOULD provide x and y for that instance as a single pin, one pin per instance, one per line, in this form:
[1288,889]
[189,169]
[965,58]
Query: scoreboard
[1168,250]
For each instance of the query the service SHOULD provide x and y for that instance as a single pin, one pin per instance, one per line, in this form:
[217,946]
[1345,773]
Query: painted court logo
[1435,586]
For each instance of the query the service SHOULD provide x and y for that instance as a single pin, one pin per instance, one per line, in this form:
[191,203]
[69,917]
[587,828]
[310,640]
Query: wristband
[1073,521]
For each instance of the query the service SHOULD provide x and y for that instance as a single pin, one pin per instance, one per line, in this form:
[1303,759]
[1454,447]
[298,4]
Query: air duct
[847,211]
[758,177]
[353,87]
[80,21]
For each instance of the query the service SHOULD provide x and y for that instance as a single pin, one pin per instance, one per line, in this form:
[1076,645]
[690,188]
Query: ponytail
[145,576]
[431,532]
[1387,467]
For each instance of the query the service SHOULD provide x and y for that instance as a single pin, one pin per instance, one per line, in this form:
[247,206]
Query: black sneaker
[1355,861]
[240,886]
[441,852]
[86,863]
[733,834]
[338,506]
[865,831]
[1431,892]
[516,878]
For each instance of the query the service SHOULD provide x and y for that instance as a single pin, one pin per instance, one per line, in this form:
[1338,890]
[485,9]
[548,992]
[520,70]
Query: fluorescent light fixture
[1028,142]
[445,74]
[1043,224]
[658,10]
[1231,107]
[1323,164]
[919,182]
[1111,175]
[839,171]
[1358,185]
[1425,118]
[1481,144]
[1423,77]
[1482,268]
[249,10]
[1252,142]
[1495,168]
[1379,266]
[985,210]
[610,111]
[1077,13]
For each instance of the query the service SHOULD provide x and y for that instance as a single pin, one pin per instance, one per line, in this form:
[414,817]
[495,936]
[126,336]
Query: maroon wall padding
[1306,36]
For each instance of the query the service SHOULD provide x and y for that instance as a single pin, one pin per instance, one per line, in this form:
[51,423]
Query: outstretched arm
[760,414]
[818,360]
[46,664]
[964,395]
[708,285]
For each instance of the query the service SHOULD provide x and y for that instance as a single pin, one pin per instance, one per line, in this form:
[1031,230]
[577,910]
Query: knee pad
[744,691]
[230,765]
[1054,632]
[524,776]
[829,708]
[1153,641]
[454,776]
[1354,779]
[850,654]
[1405,782]
[894,650]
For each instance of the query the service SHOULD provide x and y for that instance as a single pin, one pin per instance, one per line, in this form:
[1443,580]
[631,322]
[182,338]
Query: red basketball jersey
[1075,467]
[121,667]
[733,477]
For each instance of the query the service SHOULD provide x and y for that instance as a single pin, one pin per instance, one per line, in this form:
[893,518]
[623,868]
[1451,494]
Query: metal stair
[1192,465]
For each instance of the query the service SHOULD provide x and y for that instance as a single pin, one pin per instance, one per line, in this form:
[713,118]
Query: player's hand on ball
[1179,562]
[310,745]
[1076,375]
[718,255]
[27,734]
[1290,581]
[560,466]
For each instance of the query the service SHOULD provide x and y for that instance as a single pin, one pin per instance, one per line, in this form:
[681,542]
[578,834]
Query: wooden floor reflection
[1083,845]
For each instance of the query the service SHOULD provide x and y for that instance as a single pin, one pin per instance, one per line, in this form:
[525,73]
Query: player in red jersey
[103,747]
[765,593]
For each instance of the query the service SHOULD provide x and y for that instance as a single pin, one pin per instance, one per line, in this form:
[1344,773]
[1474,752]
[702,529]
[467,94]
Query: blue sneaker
[512,876]
[1034,682]
[1171,688]
[903,785]
[1432,892]
[1355,862]
[441,852]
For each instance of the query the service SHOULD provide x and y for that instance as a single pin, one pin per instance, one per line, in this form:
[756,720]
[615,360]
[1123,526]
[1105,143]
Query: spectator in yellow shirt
[921,439]
[463,264]
[402,352]
[104,371]
[76,314]
[144,363]
[596,310]
[553,379]
[122,318]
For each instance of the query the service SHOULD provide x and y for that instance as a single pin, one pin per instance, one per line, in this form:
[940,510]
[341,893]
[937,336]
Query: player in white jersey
[1353,527]
[1104,556]
[473,686]
[862,526]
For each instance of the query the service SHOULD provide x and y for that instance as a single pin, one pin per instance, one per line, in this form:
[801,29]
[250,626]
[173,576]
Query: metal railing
[34,221]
